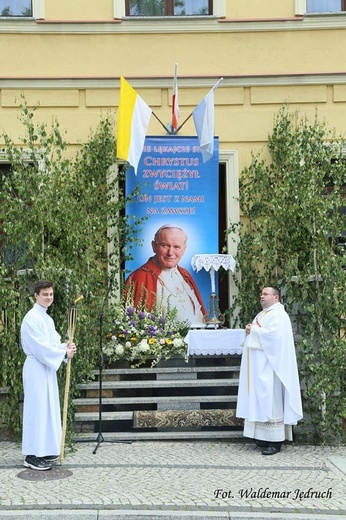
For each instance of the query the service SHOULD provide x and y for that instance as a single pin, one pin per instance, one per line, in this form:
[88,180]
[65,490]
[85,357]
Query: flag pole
[161,123]
[182,124]
[175,105]
[217,83]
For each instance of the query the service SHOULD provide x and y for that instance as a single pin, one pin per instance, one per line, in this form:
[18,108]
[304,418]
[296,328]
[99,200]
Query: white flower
[178,342]
[119,350]
[143,346]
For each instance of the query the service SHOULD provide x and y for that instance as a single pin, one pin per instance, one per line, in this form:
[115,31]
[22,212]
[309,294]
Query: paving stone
[174,479]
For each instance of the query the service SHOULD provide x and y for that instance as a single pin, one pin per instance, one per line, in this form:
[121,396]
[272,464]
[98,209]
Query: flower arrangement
[138,334]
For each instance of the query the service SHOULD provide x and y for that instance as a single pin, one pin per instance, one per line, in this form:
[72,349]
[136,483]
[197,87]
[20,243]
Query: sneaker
[51,458]
[37,463]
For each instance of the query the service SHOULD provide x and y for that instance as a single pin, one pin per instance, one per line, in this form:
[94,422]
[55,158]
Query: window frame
[219,10]
[230,165]
[38,9]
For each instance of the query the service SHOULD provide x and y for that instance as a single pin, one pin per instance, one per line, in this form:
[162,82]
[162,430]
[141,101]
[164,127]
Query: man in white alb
[269,397]
[162,282]
[44,354]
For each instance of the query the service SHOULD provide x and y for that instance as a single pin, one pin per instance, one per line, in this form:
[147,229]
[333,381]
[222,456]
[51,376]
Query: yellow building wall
[70,63]
[79,10]
[154,55]
[243,116]
[259,9]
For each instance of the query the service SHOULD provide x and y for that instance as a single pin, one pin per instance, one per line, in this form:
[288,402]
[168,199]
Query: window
[325,6]
[169,7]
[15,8]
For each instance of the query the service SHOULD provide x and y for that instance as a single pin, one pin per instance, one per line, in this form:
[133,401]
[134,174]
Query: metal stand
[215,318]
[100,437]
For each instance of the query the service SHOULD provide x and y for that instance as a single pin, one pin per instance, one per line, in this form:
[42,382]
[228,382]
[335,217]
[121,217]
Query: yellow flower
[169,341]
[151,341]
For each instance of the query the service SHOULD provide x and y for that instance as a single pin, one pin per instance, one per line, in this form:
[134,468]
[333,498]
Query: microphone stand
[100,437]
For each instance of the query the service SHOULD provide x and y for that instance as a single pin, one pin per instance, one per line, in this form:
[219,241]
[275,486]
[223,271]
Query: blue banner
[177,189]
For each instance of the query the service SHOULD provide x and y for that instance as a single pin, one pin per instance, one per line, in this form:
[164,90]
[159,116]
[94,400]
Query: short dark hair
[43,284]
[276,290]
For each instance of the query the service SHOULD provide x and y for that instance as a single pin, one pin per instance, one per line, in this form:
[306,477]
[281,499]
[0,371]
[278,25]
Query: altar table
[220,342]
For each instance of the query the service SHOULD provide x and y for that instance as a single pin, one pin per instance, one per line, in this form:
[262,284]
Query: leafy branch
[54,214]
[293,221]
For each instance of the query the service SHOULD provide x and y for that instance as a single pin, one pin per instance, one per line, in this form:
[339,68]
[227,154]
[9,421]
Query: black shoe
[270,450]
[261,444]
[50,458]
[37,463]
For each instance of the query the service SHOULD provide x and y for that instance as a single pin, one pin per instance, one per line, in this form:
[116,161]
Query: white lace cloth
[212,263]
[220,342]
[215,261]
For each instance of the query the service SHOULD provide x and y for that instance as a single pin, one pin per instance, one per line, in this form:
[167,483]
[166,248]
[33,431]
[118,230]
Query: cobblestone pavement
[172,480]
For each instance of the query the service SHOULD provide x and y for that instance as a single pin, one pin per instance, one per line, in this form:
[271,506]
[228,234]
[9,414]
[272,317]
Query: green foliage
[292,211]
[54,213]
[6,11]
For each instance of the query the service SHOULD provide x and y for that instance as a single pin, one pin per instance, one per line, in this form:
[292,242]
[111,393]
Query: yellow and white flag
[133,121]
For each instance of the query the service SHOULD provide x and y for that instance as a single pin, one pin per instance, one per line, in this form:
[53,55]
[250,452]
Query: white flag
[203,116]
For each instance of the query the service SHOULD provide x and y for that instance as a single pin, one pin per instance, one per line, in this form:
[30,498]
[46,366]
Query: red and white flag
[175,105]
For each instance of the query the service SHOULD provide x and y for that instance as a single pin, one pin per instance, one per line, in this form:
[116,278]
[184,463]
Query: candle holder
[212,263]
[215,317]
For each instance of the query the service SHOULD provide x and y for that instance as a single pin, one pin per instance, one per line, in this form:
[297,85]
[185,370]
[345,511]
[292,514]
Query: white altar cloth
[220,342]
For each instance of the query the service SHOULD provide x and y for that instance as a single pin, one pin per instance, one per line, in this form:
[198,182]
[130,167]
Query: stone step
[167,383]
[106,416]
[162,383]
[159,435]
[94,401]
[114,416]
[168,370]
